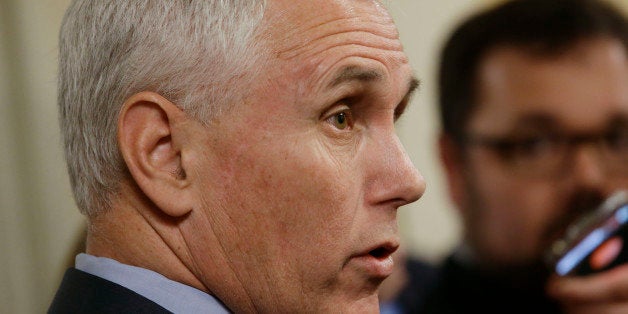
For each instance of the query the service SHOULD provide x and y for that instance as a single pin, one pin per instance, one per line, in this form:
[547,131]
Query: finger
[611,285]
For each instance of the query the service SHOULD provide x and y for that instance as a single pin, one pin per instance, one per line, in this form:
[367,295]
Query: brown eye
[341,120]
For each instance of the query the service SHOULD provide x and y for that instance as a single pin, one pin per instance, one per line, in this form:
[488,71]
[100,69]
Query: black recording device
[575,252]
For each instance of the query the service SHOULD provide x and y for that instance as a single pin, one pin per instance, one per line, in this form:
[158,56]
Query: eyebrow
[413,85]
[354,73]
[547,123]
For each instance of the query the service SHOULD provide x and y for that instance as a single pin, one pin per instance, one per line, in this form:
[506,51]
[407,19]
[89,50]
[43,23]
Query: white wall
[38,219]
[429,226]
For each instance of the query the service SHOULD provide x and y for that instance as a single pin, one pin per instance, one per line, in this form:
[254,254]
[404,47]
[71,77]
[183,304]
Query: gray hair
[189,51]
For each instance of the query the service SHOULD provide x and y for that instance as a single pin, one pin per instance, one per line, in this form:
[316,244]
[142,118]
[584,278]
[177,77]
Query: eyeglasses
[546,155]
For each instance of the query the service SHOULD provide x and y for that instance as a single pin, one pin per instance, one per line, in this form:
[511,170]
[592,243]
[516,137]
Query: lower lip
[375,267]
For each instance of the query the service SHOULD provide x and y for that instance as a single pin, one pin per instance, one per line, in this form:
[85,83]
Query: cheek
[515,213]
[290,199]
[618,183]
[312,196]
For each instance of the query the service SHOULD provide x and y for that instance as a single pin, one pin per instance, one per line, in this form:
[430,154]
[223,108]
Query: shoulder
[422,276]
[81,292]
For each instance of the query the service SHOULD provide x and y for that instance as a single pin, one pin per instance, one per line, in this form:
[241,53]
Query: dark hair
[540,27]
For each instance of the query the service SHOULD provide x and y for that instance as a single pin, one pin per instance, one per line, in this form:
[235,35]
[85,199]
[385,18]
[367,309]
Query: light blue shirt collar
[171,295]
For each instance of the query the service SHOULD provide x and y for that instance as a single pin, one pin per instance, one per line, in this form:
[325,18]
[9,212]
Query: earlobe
[146,127]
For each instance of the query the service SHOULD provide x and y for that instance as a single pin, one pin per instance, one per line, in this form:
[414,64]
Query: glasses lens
[537,156]
[533,155]
[544,156]
[615,150]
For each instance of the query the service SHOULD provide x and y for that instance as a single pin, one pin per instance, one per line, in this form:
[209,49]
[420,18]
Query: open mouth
[383,251]
[378,261]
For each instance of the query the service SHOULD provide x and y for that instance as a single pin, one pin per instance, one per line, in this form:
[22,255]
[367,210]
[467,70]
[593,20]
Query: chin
[369,304]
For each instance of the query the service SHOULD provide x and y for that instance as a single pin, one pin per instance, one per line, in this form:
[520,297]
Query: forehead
[584,87]
[316,34]
[292,24]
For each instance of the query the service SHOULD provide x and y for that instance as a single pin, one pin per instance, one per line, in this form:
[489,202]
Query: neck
[530,276]
[133,232]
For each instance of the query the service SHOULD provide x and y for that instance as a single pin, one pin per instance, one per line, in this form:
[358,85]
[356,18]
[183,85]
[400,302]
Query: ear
[453,160]
[146,136]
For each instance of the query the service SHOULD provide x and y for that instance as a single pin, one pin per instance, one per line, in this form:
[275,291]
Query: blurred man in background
[534,112]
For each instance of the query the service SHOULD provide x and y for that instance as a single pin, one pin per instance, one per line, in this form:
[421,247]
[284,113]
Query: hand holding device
[595,242]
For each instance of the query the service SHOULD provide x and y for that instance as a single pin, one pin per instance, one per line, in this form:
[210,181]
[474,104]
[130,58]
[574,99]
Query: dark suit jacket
[459,288]
[81,292]
[421,275]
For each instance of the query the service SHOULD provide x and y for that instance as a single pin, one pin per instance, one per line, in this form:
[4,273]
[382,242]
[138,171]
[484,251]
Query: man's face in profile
[301,181]
[524,196]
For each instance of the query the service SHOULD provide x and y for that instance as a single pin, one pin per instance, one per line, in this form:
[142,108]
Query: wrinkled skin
[300,181]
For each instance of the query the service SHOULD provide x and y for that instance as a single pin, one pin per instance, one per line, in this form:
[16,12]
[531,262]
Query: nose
[394,178]
[587,170]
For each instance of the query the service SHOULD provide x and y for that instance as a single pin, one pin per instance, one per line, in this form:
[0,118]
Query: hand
[605,292]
